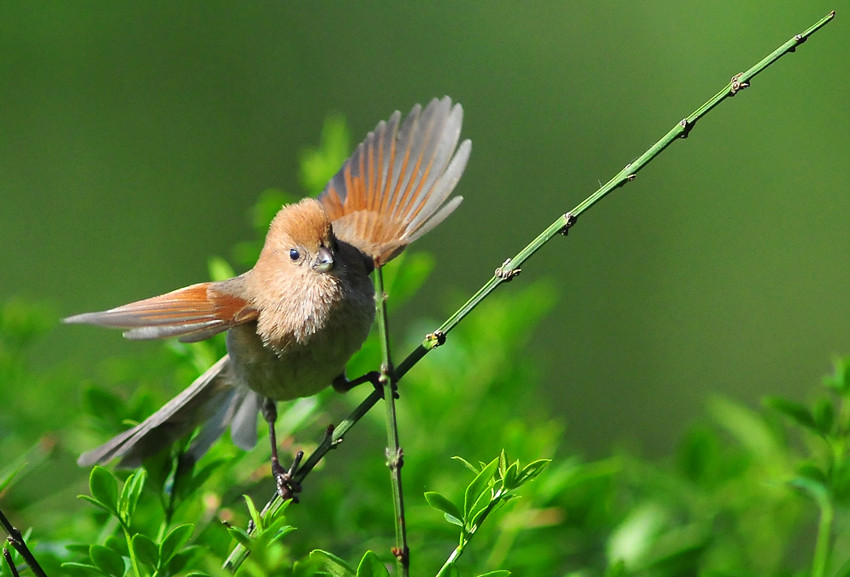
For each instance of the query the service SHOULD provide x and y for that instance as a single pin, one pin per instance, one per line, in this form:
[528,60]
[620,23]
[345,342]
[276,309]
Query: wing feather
[193,313]
[396,186]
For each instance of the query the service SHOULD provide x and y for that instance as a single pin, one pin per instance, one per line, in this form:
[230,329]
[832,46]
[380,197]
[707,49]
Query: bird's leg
[286,486]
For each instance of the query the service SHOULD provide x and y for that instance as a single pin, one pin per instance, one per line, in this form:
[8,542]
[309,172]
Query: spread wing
[396,185]
[194,313]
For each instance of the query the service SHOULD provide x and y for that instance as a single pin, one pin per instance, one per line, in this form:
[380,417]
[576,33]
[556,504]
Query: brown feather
[396,185]
[193,313]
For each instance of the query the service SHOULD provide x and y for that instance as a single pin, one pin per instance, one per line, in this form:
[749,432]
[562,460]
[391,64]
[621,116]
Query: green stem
[332,439]
[466,536]
[134,562]
[820,562]
[562,224]
[394,454]
[511,267]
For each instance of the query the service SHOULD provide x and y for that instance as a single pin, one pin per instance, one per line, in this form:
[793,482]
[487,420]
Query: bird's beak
[324,260]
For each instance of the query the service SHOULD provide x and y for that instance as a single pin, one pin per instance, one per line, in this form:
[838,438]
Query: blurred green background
[135,137]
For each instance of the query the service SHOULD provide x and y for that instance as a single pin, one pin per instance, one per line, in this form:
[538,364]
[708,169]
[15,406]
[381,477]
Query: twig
[11,564]
[395,458]
[16,540]
[511,267]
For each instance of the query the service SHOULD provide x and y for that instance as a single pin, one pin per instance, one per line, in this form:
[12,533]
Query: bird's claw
[287,487]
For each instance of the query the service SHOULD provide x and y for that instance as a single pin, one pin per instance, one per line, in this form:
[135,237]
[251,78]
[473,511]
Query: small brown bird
[295,319]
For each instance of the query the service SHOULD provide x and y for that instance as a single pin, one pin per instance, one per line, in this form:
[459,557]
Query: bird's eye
[294,254]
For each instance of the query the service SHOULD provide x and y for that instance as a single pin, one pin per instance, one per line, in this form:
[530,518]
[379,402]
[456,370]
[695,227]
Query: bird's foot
[287,487]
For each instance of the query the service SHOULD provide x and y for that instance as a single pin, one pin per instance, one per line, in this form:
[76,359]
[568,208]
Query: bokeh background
[135,137]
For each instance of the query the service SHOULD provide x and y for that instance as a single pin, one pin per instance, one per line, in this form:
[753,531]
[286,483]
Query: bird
[294,320]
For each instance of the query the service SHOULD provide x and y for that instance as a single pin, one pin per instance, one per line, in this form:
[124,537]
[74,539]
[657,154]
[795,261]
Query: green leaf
[104,489]
[532,470]
[107,560]
[812,471]
[267,206]
[496,573]
[840,377]
[188,556]
[102,402]
[241,535]
[319,164]
[748,427]
[75,568]
[371,566]
[77,548]
[174,541]
[146,550]
[96,503]
[256,517]
[824,413]
[467,464]
[503,463]
[281,532]
[334,565]
[130,493]
[814,488]
[219,269]
[795,411]
[474,516]
[510,476]
[478,486]
[441,503]
[451,519]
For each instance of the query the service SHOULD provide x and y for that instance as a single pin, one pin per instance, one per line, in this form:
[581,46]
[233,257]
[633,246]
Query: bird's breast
[298,349]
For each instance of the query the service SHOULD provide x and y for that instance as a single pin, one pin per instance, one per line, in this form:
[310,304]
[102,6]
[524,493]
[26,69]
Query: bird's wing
[396,185]
[193,313]
[210,400]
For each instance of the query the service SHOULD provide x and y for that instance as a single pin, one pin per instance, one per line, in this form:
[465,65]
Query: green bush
[748,492]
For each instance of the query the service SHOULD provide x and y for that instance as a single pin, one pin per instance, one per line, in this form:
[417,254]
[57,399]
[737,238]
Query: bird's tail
[212,401]
[396,185]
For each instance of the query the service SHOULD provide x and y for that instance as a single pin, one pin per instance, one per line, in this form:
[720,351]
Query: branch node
[569,221]
[437,338]
[402,555]
[329,437]
[687,126]
[395,459]
[507,274]
[737,85]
